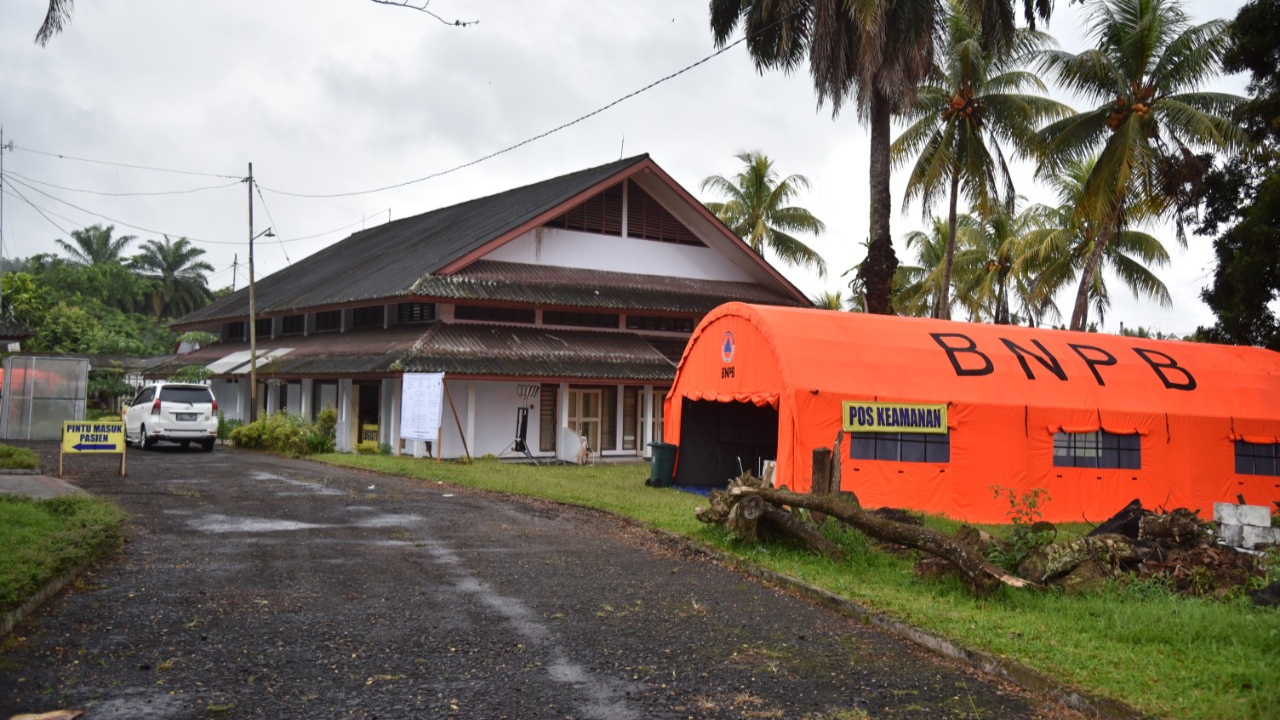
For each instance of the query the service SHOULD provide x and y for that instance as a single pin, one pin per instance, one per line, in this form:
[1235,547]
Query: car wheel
[207,445]
[147,443]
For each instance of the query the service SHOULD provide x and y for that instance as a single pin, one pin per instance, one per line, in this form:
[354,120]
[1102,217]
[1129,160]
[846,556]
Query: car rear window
[185,395]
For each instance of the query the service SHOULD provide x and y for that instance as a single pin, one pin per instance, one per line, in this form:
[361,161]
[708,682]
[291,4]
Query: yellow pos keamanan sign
[865,416]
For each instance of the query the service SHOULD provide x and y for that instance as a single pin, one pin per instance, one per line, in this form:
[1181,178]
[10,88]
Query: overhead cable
[61,156]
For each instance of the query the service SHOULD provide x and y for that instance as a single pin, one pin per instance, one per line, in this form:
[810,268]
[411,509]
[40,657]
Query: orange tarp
[1007,390]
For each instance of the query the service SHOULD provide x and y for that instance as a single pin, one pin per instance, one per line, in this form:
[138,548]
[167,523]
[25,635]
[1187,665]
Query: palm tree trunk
[943,311]
[881,262]
[1080,313]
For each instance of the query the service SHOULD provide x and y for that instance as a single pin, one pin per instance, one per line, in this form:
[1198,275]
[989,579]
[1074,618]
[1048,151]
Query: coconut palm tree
[919,288]
[758,211]
[178,274]
[874,51]
[829,300]
[95,246]
[1057,252]
[995,279]
[970,114]
[1145,76]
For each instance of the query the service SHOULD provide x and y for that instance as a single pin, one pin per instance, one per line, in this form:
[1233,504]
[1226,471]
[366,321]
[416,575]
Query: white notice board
[422,409]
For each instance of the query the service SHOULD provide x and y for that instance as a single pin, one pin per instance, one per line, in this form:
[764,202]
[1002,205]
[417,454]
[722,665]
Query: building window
[415,312]
[901,447]
[293,324]
[494,314]
[329,321]
[548,417]
[655,323]
[262,328]
[600,214]
[367,317]
[1099,449]
[233,332]
[1257,458]
[580,319]
[648,219]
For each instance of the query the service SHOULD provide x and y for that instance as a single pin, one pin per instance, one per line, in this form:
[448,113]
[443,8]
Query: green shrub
[225,426]
[280,432]
[16,458]
[1028,534]
[326,422]
[368,447]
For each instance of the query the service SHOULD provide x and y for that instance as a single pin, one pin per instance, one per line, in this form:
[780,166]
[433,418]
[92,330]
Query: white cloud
[339,95]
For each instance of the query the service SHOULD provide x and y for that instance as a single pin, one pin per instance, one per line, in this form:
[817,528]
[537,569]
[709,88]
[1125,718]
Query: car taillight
[155,407]
[215,407]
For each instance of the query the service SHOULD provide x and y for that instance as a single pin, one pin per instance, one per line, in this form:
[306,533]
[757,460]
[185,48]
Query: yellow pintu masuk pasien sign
[93,436]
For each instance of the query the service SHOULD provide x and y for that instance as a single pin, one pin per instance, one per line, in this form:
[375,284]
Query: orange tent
[936,413]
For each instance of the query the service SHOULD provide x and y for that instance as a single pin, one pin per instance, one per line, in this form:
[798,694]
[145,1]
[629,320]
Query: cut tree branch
[980,574]
[421,7]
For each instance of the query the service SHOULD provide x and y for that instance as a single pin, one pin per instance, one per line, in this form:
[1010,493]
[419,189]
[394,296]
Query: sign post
[92,437]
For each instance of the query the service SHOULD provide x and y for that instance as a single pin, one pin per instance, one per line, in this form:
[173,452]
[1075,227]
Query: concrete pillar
[392,402]
[308,390]
[646,421]
[346,417]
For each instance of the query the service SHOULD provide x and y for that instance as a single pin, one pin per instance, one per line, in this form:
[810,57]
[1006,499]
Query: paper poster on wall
[423,406]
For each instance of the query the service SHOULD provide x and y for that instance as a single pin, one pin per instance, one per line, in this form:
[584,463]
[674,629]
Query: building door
[367,410]
[584,414]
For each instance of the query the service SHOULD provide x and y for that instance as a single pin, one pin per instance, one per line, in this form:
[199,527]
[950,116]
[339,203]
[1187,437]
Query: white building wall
[576,249]
[227,394]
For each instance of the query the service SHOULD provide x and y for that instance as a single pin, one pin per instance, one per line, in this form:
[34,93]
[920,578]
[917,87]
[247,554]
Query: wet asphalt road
[259,587]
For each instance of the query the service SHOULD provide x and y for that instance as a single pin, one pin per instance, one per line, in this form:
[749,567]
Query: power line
[11,190]
[273,222]
[124,194]
[535,138]
[61,156]
[45,212]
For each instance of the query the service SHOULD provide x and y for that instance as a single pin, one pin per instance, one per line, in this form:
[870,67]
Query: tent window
[1257,458]
[901,447]
[1098,449]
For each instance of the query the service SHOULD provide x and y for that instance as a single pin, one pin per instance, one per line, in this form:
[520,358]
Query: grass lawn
[44,538]
[16,458]
[1165,655]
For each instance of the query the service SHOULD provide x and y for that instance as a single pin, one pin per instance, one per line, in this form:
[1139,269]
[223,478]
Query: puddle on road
[390,520]
[216,523]
[314,488]
[228,524]
[152,707]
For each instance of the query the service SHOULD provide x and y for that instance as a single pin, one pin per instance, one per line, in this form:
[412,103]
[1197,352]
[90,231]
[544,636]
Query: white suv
[174,413]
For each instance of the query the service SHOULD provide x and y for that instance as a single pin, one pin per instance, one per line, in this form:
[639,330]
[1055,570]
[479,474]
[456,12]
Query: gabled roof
[459,349]
[514,351]
[395,259]
[552,285]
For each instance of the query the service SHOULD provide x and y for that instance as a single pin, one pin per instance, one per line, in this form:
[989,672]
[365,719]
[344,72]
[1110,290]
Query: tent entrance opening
[716,436]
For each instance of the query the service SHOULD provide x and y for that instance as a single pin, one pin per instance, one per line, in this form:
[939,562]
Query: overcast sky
[342,96]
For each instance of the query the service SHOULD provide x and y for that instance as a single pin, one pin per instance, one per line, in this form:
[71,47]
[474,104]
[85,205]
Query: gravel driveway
[259,587]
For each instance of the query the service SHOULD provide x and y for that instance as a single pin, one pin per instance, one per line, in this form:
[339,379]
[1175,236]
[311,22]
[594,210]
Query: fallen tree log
[981,576]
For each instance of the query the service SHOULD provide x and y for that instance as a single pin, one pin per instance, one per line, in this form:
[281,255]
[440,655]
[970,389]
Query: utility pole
[253,317]
[235,270]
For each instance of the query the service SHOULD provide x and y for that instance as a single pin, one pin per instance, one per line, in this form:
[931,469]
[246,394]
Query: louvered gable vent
[646,218]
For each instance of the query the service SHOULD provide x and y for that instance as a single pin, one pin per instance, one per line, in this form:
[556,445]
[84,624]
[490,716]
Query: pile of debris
[1174,548]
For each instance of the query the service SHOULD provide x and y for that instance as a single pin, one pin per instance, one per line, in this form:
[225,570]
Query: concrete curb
[11,618]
